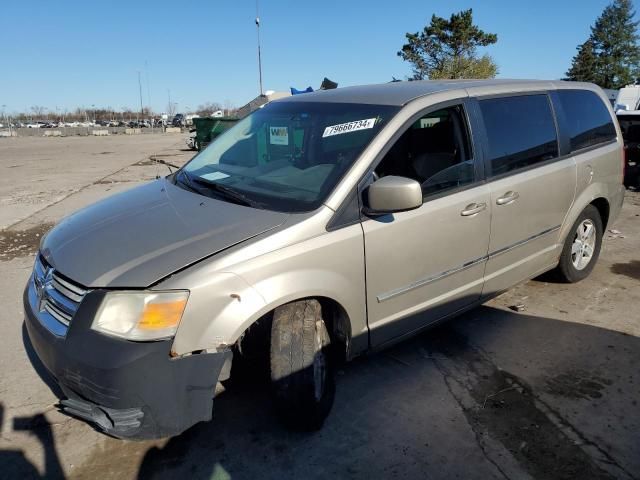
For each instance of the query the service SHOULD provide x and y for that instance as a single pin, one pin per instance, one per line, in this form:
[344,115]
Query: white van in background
[628,98]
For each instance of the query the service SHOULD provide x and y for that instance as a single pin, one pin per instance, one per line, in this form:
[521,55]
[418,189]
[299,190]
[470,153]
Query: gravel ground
[550,392]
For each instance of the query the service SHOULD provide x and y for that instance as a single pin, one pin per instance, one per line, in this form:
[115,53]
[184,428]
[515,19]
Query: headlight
[141,315]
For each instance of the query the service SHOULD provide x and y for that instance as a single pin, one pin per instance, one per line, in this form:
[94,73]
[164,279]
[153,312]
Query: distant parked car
[629,121]
[178,120]
[189,119]
[138,124]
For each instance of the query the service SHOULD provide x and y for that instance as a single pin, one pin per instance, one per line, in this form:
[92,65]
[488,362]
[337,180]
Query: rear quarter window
[587,118]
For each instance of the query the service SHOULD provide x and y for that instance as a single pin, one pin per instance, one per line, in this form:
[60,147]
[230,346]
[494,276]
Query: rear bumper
[131,390]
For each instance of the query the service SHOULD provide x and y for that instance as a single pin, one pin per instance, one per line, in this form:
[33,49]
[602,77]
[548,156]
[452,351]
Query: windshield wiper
[184,179]
[226,192]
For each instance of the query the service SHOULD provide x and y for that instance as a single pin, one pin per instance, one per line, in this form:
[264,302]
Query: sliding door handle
[473,209]
[508,198]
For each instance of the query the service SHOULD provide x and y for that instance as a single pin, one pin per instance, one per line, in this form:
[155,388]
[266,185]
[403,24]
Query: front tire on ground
[302,370]
[582,246]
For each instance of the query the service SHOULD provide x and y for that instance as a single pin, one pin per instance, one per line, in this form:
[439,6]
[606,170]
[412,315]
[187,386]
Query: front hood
[135,238]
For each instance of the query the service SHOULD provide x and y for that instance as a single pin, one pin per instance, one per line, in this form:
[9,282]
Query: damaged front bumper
[132,390]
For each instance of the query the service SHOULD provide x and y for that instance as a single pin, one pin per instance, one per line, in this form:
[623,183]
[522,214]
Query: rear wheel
[302,370]
[582,246]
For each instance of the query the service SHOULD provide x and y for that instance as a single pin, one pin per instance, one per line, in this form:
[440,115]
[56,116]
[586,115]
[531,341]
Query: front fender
[222,305]
[214,311]
[219,312]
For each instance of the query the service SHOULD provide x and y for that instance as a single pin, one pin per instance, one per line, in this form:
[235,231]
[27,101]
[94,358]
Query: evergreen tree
[611,56]
[615,39]
[583,65]
[447,49]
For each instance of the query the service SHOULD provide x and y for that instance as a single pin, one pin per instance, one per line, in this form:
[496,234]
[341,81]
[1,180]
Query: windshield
[287,156]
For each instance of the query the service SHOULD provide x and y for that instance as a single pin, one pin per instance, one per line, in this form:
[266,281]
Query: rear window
[520,131]
[587,118]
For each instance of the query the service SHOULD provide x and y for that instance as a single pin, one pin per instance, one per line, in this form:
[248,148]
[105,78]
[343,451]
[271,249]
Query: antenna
[259,53]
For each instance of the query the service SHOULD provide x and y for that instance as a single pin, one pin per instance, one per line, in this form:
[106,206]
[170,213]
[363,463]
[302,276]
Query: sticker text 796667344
[349,127]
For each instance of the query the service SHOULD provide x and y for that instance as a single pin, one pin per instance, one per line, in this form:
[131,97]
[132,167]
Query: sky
[67,54]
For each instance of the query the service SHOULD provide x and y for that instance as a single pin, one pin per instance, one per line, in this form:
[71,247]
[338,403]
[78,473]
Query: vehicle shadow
[630,269]
[14,463]
[540,389]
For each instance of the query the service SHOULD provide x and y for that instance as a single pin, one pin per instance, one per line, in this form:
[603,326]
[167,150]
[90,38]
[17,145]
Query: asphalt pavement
[548,392]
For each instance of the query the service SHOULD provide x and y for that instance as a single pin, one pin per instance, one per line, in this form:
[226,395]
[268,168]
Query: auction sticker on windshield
[349,127]
[279,135]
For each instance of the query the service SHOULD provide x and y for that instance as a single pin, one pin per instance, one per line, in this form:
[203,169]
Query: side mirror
[392,194]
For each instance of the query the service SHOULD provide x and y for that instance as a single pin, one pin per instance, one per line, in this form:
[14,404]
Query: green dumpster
[207,129]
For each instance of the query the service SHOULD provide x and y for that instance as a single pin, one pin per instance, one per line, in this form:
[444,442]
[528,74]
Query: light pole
[259,53]
[146,67]
[140,89]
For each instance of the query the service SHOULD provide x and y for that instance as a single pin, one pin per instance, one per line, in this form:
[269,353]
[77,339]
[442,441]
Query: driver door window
[435,150]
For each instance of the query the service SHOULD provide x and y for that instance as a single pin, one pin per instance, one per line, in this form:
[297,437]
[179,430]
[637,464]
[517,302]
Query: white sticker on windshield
[279,135]
[349,127]
[214,176]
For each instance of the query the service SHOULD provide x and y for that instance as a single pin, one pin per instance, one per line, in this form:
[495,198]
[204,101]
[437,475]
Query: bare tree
[38,111]
[81,114]
[208,108]
[126,112]
[229,108]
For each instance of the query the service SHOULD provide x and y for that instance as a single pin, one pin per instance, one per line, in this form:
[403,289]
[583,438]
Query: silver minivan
[320,227]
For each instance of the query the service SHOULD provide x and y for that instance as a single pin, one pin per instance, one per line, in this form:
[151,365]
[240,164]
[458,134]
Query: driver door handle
[473,209]
[508,198]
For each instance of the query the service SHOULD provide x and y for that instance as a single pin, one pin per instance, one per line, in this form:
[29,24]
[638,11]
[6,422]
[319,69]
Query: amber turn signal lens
[158,316]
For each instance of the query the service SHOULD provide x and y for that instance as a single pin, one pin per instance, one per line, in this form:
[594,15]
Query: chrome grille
[54,299]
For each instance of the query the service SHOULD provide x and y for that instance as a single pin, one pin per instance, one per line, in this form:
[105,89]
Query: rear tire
[581,247]
[302,370]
